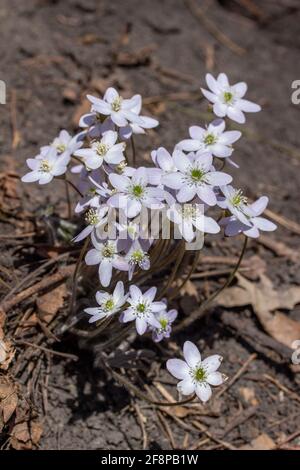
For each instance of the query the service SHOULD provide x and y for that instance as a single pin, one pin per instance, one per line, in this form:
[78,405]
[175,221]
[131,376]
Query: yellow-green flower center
[228,97]
[137,256]
[210,139]
[137,190]
[199,374]
[238,199]
[108,251]
[109,304]
[61,148]
[197,175]
[116,104]
[163,323]
[45,166]
[141,308]
[189,211]
[121,166]
[101,149]
[91,217]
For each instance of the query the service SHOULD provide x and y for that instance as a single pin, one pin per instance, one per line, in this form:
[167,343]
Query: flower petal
[178,368]
[212,363]
[191,354]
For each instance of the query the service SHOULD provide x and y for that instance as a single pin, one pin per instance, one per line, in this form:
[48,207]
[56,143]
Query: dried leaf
[8,399]
[2,351]
[248,394]
[262,442]
[2,318]
[49,304]
[36,431]
[265,300]
[7,353]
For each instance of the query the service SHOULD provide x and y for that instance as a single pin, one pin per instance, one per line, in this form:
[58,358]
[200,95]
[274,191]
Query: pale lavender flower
[137,256]
[195,375]
[46,166]
[95,217]
[105,149]
[120,110]
[109,304]
[165,319]
[228,100]
[237,204]
[234,226]
[190,218]
[133,193]
[213,139]
[134,128]
[106,255]
[195,177]
[66,144]
[142,309]
[94,124]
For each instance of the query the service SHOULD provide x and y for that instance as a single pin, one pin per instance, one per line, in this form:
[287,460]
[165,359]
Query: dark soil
[52,53]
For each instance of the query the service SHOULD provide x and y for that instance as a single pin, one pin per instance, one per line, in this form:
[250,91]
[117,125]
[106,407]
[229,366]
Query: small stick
[203,428]
[46,350]
[142,425]
[212,29]
[237,375]
[283,387]
[68,199]
[45,283]
[33,274]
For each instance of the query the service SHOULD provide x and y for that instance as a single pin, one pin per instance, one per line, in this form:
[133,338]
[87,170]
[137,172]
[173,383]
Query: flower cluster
[182,185]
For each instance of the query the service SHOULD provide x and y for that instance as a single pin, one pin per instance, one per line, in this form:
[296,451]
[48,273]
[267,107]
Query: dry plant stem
[197,313]
[236,376]
[198,13]
[74,187]
[92,334]
[133,151]
[174,270]
[76,272]
[229,280]
[116,339]
[47,350]
[120,378]
[188,276]
[68,199]
[45,283]
[33,274]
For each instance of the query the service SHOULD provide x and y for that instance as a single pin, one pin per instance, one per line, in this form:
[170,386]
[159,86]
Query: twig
[45,283]
[142,425]
[142,395]
[24,235]
[13,111]
[33,274]
[283,387]
[238,420]
[47,350]
[237,375]
[203,428]
[199,312]
[284,221]
[212,29]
